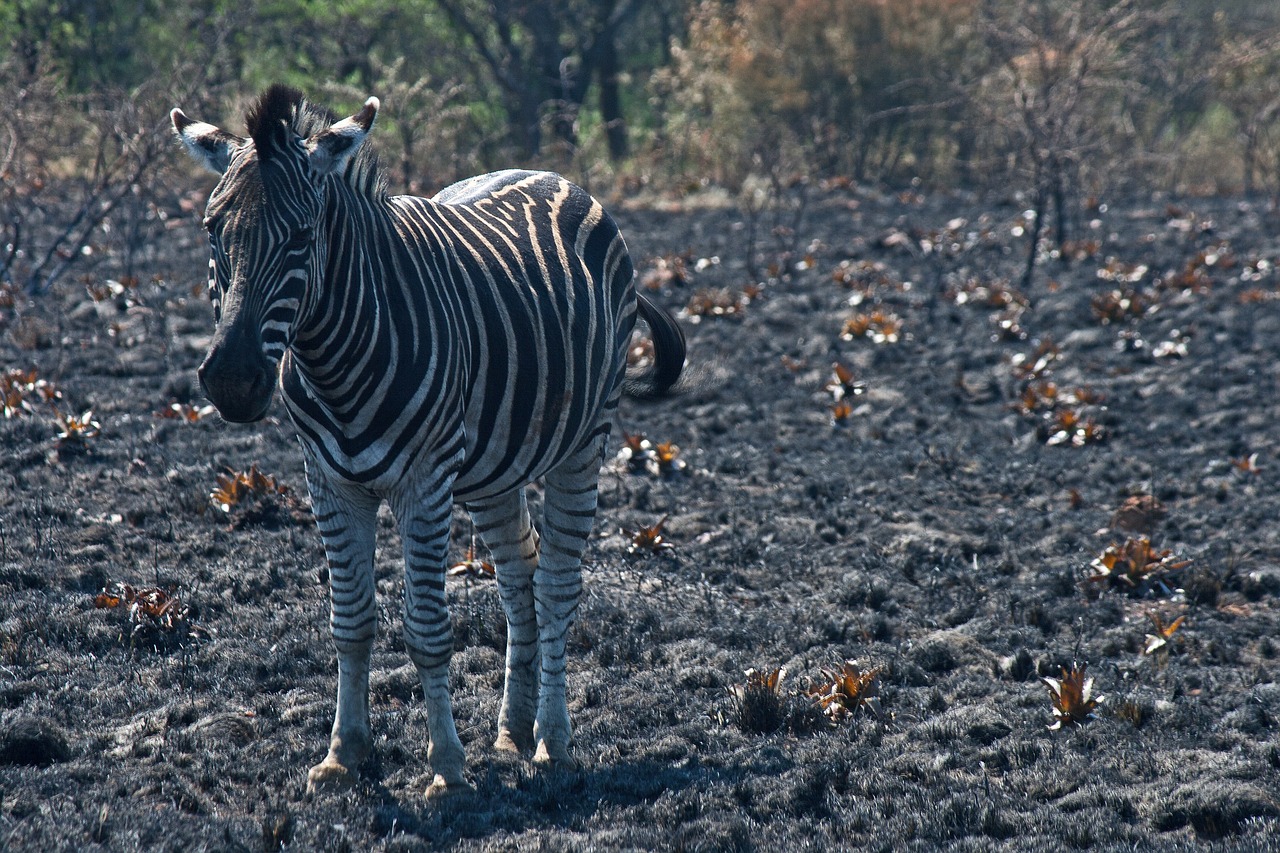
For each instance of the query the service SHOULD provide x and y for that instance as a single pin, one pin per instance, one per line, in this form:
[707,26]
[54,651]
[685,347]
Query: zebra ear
[210,146]
[332,148]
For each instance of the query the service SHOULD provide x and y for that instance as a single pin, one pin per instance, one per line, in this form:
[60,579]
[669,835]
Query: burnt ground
[943,531]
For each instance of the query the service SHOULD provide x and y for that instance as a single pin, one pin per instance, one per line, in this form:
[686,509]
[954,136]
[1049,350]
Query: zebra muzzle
[238,380]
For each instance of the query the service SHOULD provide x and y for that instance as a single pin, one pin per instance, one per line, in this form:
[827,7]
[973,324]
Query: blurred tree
[544,55]
[308,43]
[1067,97]
[1060,70]
[1246,73]
[424,123]
[856,87]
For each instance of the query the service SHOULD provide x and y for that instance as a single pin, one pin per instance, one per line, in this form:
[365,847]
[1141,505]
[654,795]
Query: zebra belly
[492,462]
[491,469]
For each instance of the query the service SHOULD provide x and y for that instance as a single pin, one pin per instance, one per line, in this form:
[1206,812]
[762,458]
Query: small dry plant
[864,277]
[1122,272]
[666,271]
[759,705]
[636,452]
[19,389]
[185,412]
[666,461]
[1136,564]
[151,610]
[1072,696]
[1009,305]
[252,497]
[1246,466]
[236,488]
[644,456]
[75,431]
[1160,641]
[881,327]
[989,294]
[648,540]
[124,292]
[843,386]
[640,353]
[1062,415]
[1079,250]
[720,302]
[844,383]
[1139,514]
[1047,396]
[845,691]
[472,565]
[1033,366]
[1073,428]
[1116,306]
[1194,277]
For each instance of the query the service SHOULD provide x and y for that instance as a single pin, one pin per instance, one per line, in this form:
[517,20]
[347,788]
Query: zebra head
[265,235]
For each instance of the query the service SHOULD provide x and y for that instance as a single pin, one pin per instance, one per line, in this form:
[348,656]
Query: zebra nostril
[203,377]
[261,384]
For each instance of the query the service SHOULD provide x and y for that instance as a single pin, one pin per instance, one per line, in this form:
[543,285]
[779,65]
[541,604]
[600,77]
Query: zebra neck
[364,353]
[343,321]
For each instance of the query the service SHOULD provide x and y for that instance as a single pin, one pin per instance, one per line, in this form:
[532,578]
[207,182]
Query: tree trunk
[526,121]
[1037,225]
[615,128]
[1061,225]
[554,78]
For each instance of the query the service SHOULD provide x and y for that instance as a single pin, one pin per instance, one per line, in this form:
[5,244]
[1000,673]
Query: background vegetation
[1059,101]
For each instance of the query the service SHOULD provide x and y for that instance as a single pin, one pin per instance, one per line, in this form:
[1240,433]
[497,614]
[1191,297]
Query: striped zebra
[429,351]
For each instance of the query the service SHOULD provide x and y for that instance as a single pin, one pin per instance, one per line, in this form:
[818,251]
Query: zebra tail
[659,380]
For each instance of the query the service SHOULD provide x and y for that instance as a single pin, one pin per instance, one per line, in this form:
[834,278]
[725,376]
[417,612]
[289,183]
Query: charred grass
[935,532]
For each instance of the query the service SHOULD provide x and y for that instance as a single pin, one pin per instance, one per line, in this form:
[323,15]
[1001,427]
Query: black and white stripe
[429,351]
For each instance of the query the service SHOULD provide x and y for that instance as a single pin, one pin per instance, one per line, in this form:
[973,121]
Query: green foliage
[111,44]
[303,42]
[681,93]
[1246,74]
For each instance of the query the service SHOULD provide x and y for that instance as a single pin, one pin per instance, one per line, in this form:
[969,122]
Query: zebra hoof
[509,742]
[553,758]
[329,777]
[441,789]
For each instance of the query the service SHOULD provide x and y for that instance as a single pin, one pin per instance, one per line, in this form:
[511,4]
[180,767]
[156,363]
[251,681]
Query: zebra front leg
[428,633]
[569,510]
[347,525]
[504,527]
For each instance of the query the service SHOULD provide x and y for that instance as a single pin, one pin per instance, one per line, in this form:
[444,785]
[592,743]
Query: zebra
[428,351]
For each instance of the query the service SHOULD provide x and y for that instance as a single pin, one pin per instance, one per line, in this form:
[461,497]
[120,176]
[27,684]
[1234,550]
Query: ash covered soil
[947,529]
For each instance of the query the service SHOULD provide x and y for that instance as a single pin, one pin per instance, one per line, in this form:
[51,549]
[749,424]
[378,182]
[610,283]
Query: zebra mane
[283,111]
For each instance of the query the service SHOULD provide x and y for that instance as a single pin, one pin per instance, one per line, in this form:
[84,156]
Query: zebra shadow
[512,799]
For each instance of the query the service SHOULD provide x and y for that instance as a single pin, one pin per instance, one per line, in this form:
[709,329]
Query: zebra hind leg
[569,511]
[503,524]
[347,528]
